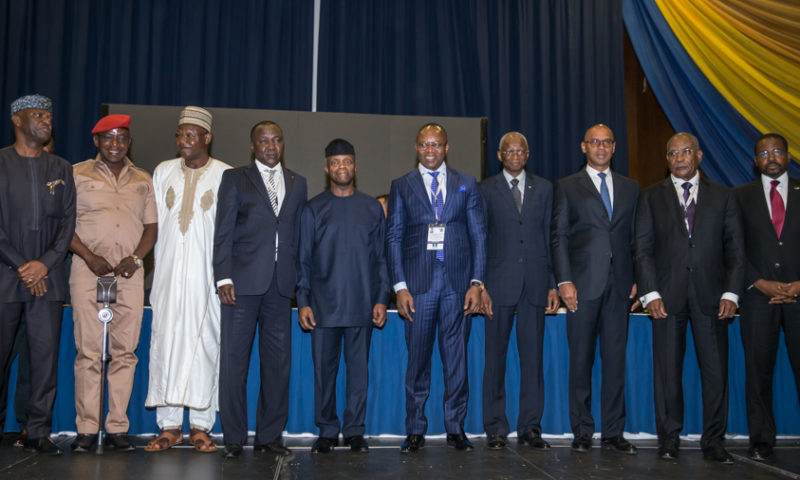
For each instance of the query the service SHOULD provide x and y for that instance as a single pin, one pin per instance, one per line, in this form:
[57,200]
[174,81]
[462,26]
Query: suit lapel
[418,186]
[288,178]
[757,200]
[505,192]
[672,203]
[527,197]
[453,181]
[255,177]
[792,202]
[586,182]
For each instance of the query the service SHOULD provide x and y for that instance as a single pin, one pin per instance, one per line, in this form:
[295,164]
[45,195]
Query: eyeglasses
[433,145]
[679,153]
[596,142]
[513,153]
[776,152]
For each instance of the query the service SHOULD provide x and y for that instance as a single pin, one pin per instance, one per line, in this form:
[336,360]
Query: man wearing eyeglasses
[690,267]
[436,248]
[771,213]
[592,250]
[519,280]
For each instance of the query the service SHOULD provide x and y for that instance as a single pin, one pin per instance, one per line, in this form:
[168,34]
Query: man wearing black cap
[37,220]
[342,293]
[255,267]
[116,226]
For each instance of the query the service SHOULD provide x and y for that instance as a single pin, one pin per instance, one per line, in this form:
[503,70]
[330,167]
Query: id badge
[436,236]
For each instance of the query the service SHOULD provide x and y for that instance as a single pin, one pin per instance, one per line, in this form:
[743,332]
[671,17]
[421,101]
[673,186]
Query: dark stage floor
[385,461]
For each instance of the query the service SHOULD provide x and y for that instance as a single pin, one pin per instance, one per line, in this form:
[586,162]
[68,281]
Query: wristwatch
[476,283]
[137,260]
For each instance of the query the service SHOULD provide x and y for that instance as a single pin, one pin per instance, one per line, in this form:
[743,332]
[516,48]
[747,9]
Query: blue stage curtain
[246,54]
[549,69]
[386,398]
[691,103]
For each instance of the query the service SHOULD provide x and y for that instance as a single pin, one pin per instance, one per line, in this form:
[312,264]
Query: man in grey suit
[519,281]
[771,212]
[690,267]
[592,246]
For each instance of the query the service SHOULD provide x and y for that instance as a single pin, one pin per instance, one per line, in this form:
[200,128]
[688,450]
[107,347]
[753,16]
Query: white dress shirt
[597,181]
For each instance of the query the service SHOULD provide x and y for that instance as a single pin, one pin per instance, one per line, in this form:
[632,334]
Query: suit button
[777,265]
[689,268]
[691,245]
[522,241]
[780,244]
[520,222]
[278,222]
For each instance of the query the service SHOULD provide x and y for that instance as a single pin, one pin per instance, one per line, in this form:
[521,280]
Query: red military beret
[110,122]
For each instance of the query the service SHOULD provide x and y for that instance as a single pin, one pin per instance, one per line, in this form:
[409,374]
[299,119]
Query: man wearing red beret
[116,226]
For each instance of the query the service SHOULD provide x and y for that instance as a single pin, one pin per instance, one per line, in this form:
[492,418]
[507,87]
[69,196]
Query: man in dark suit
[690,267]
[255,267]
[592,245]
[436,247]
[519,280]
[37,220]
[772,280]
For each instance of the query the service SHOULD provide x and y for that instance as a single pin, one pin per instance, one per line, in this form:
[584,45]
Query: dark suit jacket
[410,213]
[768,256]
[584,240]
[36,223]
[518,243]
[666,257]
[244,239]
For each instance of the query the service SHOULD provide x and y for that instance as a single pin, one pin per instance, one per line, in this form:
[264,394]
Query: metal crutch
[106,294]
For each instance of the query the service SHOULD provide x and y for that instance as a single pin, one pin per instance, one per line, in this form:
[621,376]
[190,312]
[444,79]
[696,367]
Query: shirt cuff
[564,283]
[732,297]
[224,281]
[400,286]
[645,299]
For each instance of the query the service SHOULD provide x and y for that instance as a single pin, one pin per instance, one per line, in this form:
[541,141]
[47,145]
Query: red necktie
[778,210]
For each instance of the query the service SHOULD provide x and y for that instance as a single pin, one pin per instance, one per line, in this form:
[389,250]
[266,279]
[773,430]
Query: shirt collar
[594,171]
[442,168]
[265,169]
[767,181]
[509,177]
[679,181]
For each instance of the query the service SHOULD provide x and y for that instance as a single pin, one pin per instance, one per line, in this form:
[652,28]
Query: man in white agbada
[184,347]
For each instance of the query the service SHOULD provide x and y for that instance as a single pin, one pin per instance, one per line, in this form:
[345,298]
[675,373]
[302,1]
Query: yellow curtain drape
[750,51]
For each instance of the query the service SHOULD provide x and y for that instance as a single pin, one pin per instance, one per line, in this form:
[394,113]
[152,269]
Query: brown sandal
[201,441]
[166,440]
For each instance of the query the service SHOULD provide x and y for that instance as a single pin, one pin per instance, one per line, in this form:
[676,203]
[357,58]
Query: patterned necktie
[273,192]
[690,208]
[778,209]
[605,195]
[437,200]
[516,193]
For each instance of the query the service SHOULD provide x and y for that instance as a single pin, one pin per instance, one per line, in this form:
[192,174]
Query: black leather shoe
[619,444]
[119,442]
[324,445]
[232,450]
[582,444]
[84,443]
[43,445]
[356,443]
[275,447]
[717,453]
[534,439]
[459,441]
[495,442]
[412,443]
[668,450]
[760,451]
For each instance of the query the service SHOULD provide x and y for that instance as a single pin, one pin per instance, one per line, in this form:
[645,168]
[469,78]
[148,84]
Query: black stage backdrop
[547,68]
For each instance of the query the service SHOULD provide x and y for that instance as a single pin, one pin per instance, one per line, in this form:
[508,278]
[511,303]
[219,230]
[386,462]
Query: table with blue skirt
[386,398]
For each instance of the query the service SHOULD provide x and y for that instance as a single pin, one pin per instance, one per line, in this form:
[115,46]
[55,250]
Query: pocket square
[462,188]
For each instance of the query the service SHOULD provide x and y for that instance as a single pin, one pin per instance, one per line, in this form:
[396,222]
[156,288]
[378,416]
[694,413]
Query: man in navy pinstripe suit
[436,243]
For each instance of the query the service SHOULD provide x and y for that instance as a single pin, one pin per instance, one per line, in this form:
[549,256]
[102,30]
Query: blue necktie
[604,194]
[437,200]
